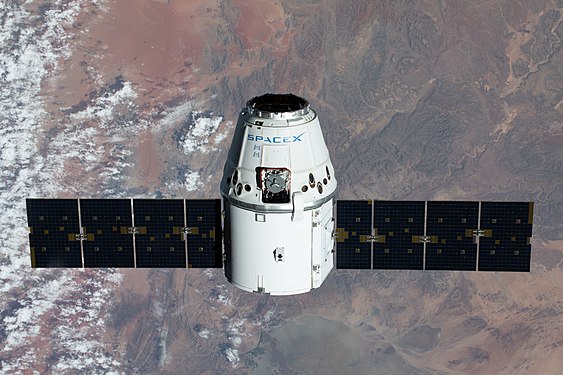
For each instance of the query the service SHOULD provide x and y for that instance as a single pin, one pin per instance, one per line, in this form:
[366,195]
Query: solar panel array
[434,235]
[126,233]
[177,233]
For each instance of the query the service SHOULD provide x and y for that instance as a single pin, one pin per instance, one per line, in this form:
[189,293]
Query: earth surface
[418,101]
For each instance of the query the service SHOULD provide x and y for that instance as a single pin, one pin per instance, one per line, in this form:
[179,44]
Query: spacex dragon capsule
[279,235]
[278,188]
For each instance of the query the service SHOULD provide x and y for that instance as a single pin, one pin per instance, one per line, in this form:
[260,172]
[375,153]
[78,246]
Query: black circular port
[247,187]
[229,180]
[235,177]
[311,180]
[325,181]
[304,188]
[320,187]
[239,189]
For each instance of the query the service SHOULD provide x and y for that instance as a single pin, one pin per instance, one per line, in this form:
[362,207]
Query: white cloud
[220,137]
[204,333]
[193,181]
[62,307]
[232,355]
[104,107]
[197,137]
[174,115]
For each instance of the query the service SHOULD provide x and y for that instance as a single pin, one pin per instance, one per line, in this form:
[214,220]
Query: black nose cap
[277,103]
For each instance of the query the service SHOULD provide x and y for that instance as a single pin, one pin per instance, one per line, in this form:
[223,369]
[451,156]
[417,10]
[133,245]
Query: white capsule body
[278,189]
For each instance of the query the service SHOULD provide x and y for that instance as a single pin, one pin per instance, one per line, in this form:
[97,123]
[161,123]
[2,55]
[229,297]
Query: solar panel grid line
[476,237]
[191,231]
[530,222]
[81,233]
[372,233]
[185,235]
[425,234]
[134,239]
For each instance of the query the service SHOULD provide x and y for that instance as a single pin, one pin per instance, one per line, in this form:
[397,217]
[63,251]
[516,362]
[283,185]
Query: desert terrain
[418,101]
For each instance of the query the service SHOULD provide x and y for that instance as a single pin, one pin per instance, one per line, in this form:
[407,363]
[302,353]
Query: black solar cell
[450,226]
[106,223]
[53,224]
[205,246]
[159,243]
[353,228]
[398,226]
[506,244]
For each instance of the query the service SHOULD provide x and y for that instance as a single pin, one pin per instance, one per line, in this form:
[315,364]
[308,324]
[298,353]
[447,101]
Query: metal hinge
[80,237]
[133,230]
[372,238]
[425,239]
[479,232]
[189,230]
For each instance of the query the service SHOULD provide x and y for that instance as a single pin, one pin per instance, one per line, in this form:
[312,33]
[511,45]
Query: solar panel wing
[107,224]
[398,228]
[450,227]
[54,233]
[159,240]
[353,230]
[204,236]
[507,230]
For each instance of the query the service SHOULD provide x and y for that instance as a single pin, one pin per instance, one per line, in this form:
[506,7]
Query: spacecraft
[278,228]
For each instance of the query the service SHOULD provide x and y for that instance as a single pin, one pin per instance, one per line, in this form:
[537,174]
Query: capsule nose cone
[278,103]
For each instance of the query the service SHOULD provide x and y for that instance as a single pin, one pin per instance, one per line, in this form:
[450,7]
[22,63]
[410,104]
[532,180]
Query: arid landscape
[418,101]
